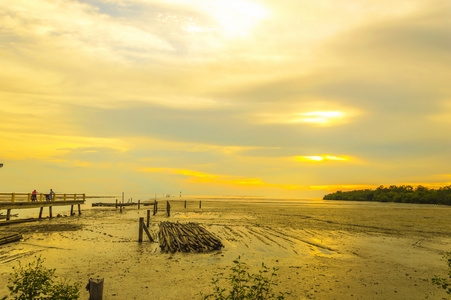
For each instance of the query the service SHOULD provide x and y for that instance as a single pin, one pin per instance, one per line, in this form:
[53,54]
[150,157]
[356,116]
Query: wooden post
[122,197]
[8,214]
[50,212]
[29,197]
[139,203]
[95,289]
[65,197]
[120,207]
[146,230]
[168,208]
[84,197]
[200,204]
[40,197]
[13,197]
[72,210]
[40,212]
[185,203]
[116,203]
[154,207]
[141,222]
[75,197]
[148,218]
[79,209]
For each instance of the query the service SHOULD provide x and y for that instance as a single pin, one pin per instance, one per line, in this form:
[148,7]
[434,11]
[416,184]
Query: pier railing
[28,197]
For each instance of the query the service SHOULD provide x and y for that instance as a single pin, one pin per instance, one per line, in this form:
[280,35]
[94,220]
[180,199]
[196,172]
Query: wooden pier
[11,201]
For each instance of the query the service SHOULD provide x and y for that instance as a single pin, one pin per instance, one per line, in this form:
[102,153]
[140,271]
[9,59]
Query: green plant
[246,286]
[34,281]
[445,283]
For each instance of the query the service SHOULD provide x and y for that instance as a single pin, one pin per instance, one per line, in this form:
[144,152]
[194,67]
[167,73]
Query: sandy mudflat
[323,249]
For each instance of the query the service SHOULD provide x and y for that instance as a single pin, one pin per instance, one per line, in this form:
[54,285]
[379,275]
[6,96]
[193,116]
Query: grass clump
[244,285]
[35,282]
[445,283]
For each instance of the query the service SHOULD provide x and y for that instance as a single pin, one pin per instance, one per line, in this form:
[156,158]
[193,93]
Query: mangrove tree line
[402,194]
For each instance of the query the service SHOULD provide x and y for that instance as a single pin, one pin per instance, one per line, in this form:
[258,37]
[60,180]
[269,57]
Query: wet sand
[323,249]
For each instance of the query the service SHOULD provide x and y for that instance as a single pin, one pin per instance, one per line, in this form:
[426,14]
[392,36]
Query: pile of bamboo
[10,238]
[189,237]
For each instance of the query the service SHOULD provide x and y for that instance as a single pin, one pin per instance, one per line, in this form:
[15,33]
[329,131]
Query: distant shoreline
[397,194]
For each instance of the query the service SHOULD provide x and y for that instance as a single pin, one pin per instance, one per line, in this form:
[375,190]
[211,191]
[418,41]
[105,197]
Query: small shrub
[34,281]
[246,286]
[445,283]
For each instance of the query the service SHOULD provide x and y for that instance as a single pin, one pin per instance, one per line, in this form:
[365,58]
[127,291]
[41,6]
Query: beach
[322,249]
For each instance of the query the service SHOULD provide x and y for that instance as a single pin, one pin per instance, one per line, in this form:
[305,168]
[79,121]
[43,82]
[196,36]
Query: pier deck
[9,201]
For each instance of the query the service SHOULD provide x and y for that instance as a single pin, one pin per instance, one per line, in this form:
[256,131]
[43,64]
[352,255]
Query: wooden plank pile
[10,238]
[188,237]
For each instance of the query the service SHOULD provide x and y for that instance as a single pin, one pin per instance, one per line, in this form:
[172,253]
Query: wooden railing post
[13,197]
[65,197]
[84,197]
[29,197]
[40,197]
[75,197]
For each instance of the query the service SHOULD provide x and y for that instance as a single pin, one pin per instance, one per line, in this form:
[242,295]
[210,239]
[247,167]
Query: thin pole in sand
[139,203]
[200,204]
[148,217]
[122,197]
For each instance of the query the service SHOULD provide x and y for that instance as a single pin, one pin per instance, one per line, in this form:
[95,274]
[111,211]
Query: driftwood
[17,221]
[10,238]
[189,237]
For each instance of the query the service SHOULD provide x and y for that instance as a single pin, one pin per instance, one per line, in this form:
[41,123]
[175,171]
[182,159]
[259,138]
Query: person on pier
[50,195]
[33,195]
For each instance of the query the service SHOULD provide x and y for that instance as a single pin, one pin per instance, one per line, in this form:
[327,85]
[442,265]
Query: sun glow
[321,158]
[320,117]
[237,18]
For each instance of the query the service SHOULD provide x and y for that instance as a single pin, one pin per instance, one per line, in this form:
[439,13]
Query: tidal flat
[322,249]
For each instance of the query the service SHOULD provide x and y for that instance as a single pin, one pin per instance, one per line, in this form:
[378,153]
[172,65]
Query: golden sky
[268,98]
